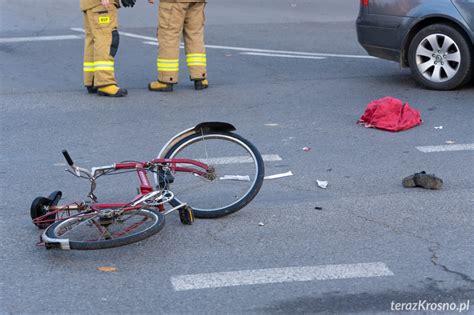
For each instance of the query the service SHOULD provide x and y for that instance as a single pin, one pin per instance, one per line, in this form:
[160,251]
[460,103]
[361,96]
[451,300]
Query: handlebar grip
[68,158]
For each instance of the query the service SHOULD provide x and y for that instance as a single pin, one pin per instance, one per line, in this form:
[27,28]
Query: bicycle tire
[56,240]
[205,205]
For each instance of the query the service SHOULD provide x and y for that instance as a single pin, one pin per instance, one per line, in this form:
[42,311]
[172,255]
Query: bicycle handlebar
[68,158]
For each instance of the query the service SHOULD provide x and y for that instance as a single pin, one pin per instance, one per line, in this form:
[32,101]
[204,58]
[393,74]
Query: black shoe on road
[427,181]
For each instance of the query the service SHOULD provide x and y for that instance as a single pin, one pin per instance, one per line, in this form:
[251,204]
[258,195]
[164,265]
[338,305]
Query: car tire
[440,58]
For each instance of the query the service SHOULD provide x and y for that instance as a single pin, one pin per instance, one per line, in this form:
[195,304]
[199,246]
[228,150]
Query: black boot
[201,84]
[91,89]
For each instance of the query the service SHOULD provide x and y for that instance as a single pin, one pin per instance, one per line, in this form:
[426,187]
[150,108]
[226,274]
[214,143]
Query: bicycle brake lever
[76,170]
[75,173]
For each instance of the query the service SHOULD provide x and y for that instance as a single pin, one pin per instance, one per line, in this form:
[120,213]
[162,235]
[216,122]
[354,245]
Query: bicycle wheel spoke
[76,225]
[102,231]
[235,168]
[130,228]
[92,229]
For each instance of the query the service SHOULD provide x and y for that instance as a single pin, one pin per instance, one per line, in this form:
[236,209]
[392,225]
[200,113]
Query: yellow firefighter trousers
[176,19]
[100,45]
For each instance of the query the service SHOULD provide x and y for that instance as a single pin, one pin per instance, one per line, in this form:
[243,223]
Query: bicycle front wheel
[93,231]
[239,173]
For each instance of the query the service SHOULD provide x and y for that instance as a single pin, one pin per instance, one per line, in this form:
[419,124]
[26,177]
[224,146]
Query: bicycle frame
[56,213]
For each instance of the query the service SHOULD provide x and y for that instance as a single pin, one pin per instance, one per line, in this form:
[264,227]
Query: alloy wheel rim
[438,58]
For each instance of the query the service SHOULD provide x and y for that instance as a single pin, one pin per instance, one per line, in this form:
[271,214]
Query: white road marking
[136,36]
[153,41]
[38,38]
[288,52]
[446,148]
[281,55]
[78,29]
[298,53]
[239,159]
[279,275]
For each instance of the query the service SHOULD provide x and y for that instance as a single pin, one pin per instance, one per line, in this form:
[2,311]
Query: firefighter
[178,17]
[100,45]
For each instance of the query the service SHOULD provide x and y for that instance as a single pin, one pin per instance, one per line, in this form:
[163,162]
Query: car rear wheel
[440,57]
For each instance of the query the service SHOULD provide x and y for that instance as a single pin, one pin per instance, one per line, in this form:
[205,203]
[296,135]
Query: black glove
[128,3]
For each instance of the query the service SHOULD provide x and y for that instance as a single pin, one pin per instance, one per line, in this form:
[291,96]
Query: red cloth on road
[390,114]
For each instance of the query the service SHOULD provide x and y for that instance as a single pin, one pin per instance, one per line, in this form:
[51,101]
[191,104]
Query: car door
[466,8]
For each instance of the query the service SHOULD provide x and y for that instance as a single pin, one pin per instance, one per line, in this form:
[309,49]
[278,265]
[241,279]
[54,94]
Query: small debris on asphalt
[261,224]
[289,173]
[318,208]
[438,127]
[450,142]
[244,178]
[322,183]
[107,269]
[306,149]
[271,125]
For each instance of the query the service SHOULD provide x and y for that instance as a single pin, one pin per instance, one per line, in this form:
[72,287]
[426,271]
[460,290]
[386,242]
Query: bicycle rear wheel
[93,231]
[239,172]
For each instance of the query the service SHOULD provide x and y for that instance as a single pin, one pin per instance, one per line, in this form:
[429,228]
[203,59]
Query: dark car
[435,38]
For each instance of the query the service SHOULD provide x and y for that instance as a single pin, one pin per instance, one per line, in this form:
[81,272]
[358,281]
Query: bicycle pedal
[186,215]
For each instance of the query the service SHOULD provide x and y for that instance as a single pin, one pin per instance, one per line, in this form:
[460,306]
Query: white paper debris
[450,142]
[271,125]
[236,177]
[438,127]
[289,173]
[261,224]
[322,183]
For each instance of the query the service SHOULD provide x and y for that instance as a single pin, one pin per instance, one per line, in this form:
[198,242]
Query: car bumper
[381,35]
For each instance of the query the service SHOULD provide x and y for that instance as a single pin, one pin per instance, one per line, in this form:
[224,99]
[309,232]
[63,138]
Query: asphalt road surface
[288,74]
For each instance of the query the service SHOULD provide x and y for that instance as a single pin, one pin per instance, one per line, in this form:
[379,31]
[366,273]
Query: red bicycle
[214,170]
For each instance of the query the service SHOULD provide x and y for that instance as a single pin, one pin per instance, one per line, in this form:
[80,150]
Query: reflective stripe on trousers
[167,65]
[98,66]
[198,60]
